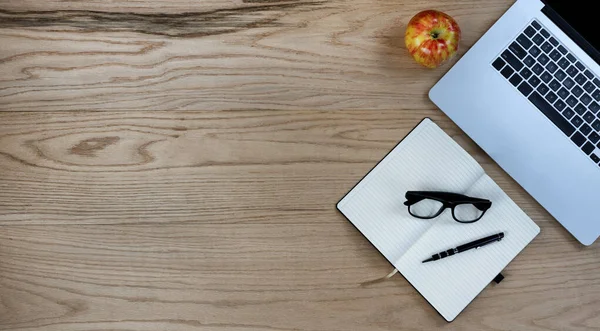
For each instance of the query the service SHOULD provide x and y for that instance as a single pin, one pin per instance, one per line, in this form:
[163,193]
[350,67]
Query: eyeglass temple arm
[484,205]
[411,200]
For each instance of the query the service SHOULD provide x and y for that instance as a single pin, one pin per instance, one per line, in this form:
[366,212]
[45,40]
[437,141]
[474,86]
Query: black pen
[473,244]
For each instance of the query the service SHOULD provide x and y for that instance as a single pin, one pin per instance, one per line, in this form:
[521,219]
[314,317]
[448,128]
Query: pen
[473,244]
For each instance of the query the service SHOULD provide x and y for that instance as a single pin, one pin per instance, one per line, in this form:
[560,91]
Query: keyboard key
[585,129]
[588,74]
[576,121]
[551,66]
[594,137]
[595,158]
[555,55]
[585,99]
[543,59]
[571,101]
[543,89]
[507,71]
[596,125]
[525,88]
[589,117]
[563,63]
[545,33]
[534,81]
[515,79]
[538,39]
[571,57]
[588,148]
[536,25]
[580,79]
[594,107]
[551,97]
[589,87]
[596,82]
[577,91]
[556,118]
[579,66]
[578,139]
[512,60]
[524,41]
[553,41]
[580,109]
[562,49]
[572,71]
[534,51]
[568,113]
[559,104]
[596,95]
[529,31]
[546,77]
[546,47]
[517,50]
[569,83]
[529,61]
[554,85]
[538,69]
[560,75]
[498,64]
[563,93]
[525,73]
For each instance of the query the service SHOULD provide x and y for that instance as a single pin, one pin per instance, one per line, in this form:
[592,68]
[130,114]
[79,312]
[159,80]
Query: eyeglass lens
[426,208]
[467,213]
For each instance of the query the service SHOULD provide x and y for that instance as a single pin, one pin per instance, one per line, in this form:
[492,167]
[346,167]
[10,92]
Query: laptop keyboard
[560,86]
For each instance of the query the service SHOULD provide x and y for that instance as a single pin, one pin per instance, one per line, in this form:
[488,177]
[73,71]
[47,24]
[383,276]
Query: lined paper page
[427,159]
[450,284]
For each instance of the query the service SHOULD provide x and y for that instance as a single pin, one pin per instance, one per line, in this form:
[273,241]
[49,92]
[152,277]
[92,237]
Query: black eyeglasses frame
[449,200]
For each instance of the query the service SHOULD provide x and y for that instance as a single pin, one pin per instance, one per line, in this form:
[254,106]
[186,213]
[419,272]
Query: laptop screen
[583,18]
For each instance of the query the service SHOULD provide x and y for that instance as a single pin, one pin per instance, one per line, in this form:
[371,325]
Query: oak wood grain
[208,55]
[175,164]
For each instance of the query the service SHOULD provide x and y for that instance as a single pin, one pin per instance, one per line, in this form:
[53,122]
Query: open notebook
[429,160]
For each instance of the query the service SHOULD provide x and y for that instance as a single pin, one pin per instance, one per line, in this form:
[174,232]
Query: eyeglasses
[427,205]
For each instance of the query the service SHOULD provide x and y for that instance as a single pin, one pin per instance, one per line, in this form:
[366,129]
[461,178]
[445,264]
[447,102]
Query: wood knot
[89,147]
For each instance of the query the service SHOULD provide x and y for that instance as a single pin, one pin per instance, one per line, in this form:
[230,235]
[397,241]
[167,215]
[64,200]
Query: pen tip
[428,260]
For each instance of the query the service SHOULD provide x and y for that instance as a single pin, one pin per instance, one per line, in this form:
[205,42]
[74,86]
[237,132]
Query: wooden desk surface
[174,165]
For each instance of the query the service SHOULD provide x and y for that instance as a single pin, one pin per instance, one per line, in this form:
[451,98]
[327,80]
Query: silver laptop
[528,92]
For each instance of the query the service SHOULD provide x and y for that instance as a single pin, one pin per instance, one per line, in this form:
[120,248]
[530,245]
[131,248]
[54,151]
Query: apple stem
[434,35]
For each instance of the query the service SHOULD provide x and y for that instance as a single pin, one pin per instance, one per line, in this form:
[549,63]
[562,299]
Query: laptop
[528,93]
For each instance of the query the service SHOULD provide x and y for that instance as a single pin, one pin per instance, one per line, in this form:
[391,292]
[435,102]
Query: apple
[432,37]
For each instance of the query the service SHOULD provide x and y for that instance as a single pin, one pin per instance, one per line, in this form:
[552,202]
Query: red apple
[432,37]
